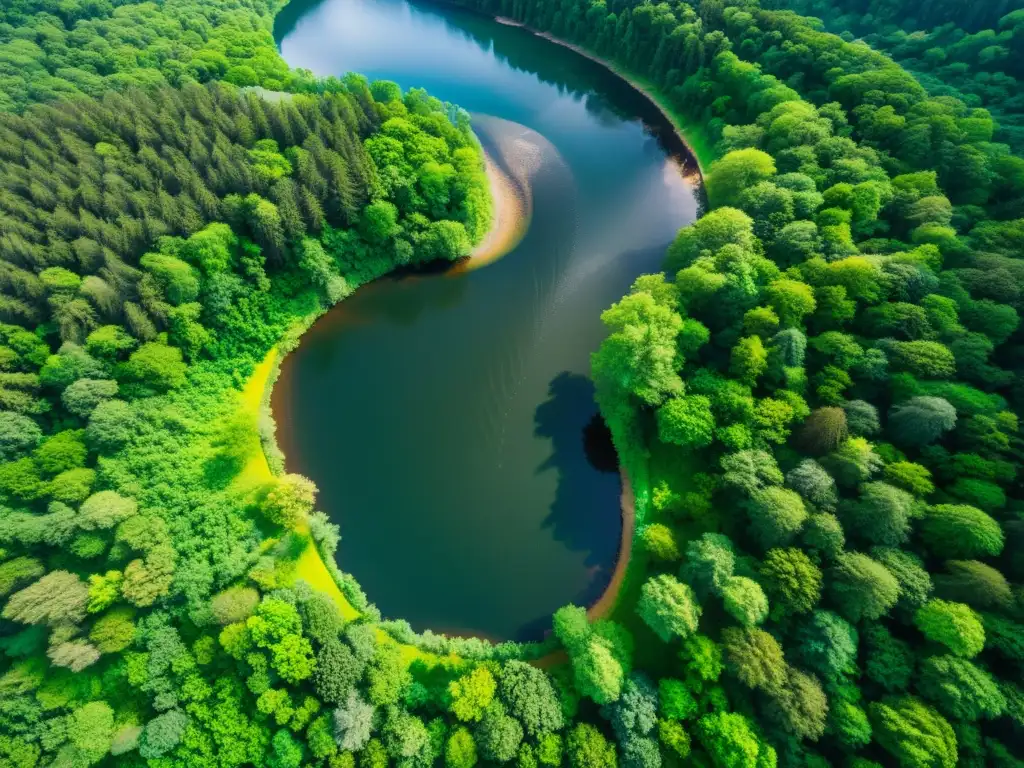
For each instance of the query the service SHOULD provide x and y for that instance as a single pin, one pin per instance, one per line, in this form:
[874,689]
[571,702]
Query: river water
[445,417]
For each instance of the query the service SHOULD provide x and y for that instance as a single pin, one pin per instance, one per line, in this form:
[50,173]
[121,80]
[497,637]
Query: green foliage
[530,697]
[668,607]
[686,421]
[792,580]
[961,531]
[914,734]
[587,748]
[960,689]
[861,588]
[744,600]
[471,694]
[954,625]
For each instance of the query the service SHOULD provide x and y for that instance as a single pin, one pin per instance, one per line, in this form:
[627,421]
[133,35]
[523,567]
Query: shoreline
[512,213]
[649,93]
[606,603]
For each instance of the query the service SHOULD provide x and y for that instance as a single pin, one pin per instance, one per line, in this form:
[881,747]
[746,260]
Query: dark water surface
[444,417]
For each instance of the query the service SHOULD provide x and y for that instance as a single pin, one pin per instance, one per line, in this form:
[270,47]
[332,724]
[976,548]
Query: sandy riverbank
[606,602]
[511,219]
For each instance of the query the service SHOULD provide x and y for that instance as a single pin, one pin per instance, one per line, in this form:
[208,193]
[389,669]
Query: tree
[960,689]
[792,300]
[337,672]
[471,694]
[827,644]
[111,424]
[824,533]
[82,396]
[90,728]
[745,601]
[668,607]
[910,477]
[587,748]
[63,451]
[881,515]
[913,733]
[824,430]
[720,227]
[709,564]
[18,435]
[638,358]
[861,587]
[750,471]
[659,541]
[178,280]
[977,584]
[861,418]
[921,420]
[674,739]
[686,421]
[597,673]
[635,711]
[290,500]
[234,604]
[162,734]
[114,631]
[379,222]
[800,705]
[959,531]
[105,509]
[404,735]
[730,742]
[498,735]
[748,359]
[387,675]
[853,462]
[792,580]
[914,580]
[57,598]
[776,516]
[156,365]
[460,751]
[531,698]
[889,662]
[923,359]
[729,176]
[353,723]
[814,484]
[755,657]
[954,625]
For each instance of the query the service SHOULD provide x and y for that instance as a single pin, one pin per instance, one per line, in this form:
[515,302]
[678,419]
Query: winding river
[448,419]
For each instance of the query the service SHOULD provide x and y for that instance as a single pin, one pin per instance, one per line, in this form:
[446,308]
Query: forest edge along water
[351,316]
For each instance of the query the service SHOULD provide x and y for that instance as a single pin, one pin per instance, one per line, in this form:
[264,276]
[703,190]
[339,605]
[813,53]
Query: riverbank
[512,211]
[609,598]
[689,134]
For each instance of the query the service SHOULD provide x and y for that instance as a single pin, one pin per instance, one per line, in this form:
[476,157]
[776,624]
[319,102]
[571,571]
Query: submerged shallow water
[445,417]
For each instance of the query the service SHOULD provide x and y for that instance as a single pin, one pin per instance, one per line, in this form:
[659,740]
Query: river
[448,420]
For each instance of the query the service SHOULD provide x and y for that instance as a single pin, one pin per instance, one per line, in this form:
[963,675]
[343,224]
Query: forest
[816,402]
[972,53]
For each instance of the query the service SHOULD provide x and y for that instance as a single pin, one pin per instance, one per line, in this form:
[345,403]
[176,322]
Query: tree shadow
[586,515]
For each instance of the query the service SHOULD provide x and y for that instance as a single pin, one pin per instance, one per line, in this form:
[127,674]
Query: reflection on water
[449,421]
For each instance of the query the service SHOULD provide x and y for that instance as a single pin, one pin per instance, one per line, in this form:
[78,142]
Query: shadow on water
[606,95]
[585,515]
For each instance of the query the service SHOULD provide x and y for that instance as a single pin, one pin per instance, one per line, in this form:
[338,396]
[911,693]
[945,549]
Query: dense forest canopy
[981,66]
[816,404]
